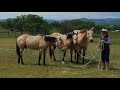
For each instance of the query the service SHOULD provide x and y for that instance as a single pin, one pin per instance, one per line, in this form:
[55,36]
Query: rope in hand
[101,49]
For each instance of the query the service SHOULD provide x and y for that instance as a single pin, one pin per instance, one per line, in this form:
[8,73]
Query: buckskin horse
[84,37]
[67,43]
[39,42]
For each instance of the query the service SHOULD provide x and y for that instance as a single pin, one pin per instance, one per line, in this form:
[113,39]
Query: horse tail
[17,49]
[50,52]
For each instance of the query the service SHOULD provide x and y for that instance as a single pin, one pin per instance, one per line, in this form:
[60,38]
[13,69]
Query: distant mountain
[106,21]
[2,20]
[51,21]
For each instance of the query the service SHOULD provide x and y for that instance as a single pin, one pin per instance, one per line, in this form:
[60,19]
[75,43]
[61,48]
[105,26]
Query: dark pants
[105,55]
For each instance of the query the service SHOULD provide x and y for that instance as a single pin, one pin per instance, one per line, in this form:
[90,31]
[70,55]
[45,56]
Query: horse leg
[78,55]
[44,56]
[18,52]
[21,51]
[75,55]
[83,56]
[40,54]
[53,53]
[19,58]
[22,60]
[64,53]
[50,52]
[71,51]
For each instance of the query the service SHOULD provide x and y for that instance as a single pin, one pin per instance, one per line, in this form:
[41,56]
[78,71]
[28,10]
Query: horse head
[50,39]
[59,41]
[90,35]
[75,37]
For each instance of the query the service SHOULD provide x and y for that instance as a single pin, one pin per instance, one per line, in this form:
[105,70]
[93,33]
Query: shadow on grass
[67,64]
[115,69]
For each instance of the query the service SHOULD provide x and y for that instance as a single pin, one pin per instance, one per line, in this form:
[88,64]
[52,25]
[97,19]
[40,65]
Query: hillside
[2,20]
[106,21]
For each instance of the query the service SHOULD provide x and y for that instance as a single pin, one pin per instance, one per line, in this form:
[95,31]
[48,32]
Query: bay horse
[84,37]
[67,43]
[39,42]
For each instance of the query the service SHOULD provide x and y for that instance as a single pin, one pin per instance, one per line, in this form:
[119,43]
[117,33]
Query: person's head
[104,32]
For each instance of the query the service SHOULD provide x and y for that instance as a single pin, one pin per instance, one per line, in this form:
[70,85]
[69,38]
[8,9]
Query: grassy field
[9,68]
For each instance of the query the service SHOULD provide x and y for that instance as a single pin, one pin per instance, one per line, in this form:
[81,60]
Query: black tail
[17,50]
[50,52]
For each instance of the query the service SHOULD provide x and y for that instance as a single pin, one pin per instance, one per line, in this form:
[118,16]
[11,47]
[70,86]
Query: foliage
[27,23]
[70,25]
[34,24]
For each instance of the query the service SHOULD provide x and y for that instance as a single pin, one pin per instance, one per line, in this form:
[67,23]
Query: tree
[27,23]
[70,25]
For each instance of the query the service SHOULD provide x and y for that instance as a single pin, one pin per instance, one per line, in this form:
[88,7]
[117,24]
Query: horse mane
[69,35]
[82,31]
[48,38]
[41,34]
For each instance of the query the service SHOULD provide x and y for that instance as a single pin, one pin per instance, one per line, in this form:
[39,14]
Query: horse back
[76,31]
[33,42]
[21,41]
[57,35]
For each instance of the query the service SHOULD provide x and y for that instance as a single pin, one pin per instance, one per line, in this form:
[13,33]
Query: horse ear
[73,33]
[92,28]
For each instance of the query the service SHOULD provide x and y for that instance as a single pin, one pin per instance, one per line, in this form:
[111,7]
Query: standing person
[105,49]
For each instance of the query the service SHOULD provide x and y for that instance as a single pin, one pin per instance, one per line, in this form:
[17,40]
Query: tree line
[34,24]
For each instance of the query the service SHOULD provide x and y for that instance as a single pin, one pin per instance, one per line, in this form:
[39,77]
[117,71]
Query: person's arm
[108,41]
[98,46]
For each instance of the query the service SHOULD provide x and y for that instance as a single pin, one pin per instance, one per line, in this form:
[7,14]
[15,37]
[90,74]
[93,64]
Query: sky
[63,15]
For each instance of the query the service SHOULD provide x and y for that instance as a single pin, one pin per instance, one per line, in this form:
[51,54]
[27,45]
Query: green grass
[9,68]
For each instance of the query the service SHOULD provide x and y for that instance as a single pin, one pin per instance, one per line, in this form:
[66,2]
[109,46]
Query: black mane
[69,35]
[48,38]
[82,31]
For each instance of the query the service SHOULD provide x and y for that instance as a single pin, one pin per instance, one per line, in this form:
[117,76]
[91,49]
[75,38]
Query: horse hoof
[45,64]
[63,62]
[18,61]
[50,59]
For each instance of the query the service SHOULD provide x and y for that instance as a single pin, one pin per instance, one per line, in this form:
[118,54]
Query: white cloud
[63,15]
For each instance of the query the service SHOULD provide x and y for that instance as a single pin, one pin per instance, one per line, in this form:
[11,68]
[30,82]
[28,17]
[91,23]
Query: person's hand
[102,41]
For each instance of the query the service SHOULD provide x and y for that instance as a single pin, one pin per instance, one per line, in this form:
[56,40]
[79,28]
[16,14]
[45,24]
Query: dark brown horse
[39,42]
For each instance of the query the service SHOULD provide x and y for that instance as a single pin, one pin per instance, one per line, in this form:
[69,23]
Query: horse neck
[82,39]
[26,35]
[66,42]
[83,36]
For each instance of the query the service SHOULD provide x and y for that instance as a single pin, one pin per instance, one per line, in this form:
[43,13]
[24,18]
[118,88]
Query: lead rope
[101,49]
[93,57]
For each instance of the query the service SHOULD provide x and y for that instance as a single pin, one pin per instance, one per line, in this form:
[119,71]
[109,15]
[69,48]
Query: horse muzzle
[91,40]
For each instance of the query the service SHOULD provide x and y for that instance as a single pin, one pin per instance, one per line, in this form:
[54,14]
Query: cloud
[63,15]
